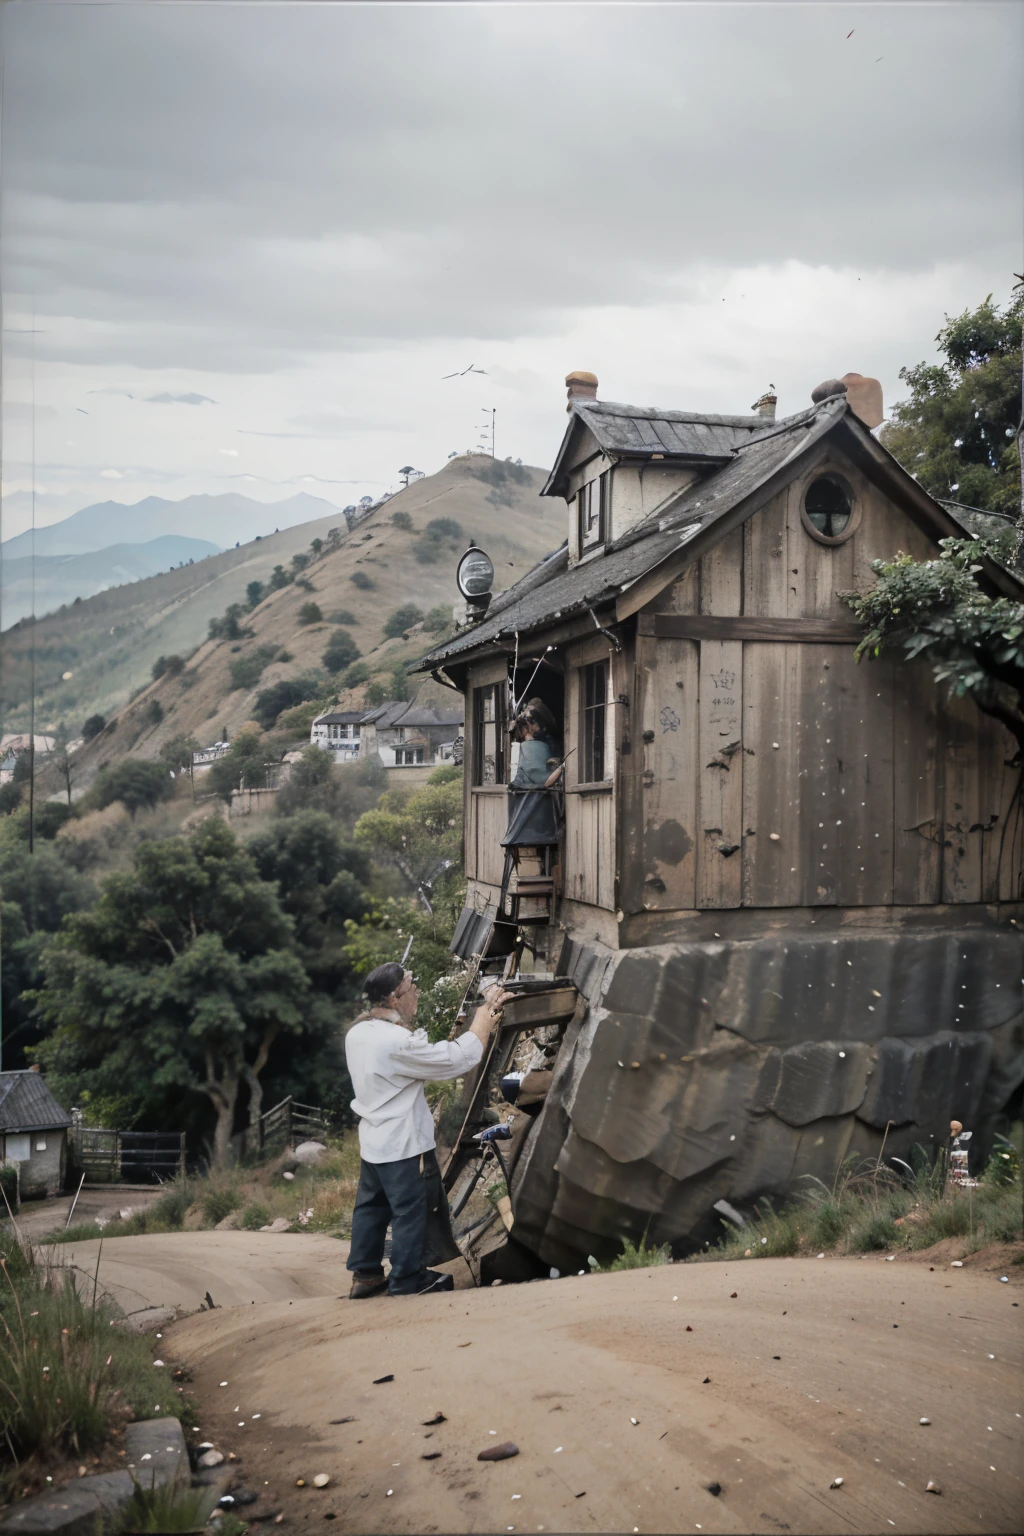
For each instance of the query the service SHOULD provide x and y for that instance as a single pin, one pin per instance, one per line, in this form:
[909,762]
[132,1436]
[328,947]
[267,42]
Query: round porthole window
[828,509]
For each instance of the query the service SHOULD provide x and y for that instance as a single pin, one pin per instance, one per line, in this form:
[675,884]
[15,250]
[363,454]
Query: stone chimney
[580,385]
[766,405]
[863,395]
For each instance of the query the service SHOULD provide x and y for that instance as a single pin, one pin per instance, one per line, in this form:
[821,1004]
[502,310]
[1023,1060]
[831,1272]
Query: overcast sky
[301,217]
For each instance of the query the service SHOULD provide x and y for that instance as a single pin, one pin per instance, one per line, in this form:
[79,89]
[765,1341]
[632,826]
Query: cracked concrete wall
[729,1070]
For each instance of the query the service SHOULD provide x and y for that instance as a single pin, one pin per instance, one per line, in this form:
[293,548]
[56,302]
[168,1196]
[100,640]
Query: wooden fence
[290,1120]
[127,1157]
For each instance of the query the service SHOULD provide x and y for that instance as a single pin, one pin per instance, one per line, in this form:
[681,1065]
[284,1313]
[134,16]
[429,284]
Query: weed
[219,1201]
[641,1255]
[255,1216]
[168,1510]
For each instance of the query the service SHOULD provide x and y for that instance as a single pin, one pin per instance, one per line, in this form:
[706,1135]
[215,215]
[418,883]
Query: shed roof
[408,714]
[26,1104]
[341,717]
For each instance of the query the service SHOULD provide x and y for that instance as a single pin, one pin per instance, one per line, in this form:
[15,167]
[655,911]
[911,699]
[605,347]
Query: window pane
[593,698]
[489,735]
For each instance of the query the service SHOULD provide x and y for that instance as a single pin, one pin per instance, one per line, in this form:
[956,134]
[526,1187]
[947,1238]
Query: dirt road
[814,1370]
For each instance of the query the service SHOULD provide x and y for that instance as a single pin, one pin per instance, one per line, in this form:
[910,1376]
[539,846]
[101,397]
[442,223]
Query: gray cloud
[238,187]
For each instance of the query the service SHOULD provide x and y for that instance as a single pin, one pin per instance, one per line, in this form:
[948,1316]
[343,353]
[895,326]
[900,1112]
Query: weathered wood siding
[589,850]
[778,773]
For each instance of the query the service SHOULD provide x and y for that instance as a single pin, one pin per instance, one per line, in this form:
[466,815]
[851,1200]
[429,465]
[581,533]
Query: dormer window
[593,508]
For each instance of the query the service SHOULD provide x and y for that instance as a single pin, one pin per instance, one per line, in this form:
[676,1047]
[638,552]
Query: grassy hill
[110,642]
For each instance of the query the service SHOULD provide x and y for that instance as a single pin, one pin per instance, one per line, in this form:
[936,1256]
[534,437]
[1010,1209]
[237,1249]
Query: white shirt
[388,1065]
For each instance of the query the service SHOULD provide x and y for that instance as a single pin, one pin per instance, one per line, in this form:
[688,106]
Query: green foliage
[402,520]
[134,783]
[937,610]
[154,712]
[245,765]
[176,754]
[167,666]
[299,562]
[357,673]
[440,538]
[255,1216]
[417,833]
[299,719]
[398,684]
[955,433]
[228,626]
[383,934]
[177,982]
[342,616]
[10,1188]
[247,670]
[167,1510]
[402,619]
[376,693]
[92,727]
[315,784]
[439,619]
[283,695]
[364,582]
[254,595]
[280,578]
[10,797]
[340,653]
[66,1380]
[310,613]
[219,1200]
[641,1255]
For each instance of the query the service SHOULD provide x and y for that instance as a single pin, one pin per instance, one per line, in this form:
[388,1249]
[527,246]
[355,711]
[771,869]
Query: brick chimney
[766,405]
[580,385]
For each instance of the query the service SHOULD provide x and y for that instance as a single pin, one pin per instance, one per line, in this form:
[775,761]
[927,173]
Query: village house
[790,888]
[399,733]
[33,1132]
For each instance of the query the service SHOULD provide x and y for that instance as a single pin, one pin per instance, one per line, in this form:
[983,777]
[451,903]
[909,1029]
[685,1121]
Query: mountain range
[51,580]
[224,520]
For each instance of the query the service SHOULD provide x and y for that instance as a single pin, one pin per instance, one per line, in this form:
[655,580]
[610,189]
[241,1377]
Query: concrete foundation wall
[43,1174]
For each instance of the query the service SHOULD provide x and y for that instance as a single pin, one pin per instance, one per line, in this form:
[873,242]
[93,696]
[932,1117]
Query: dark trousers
[395,1194]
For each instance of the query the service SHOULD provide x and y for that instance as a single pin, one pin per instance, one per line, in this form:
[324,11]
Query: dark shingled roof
[26,1104]
[551,591]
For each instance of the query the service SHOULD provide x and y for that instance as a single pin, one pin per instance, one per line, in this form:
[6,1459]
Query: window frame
[591,521]
[497,692]
[831,541]
[594,754]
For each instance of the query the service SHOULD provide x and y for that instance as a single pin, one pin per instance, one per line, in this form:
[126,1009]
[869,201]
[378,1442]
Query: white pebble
[556,1450]
[924,1421]
[837,1482]
[634,1421]
[957,1264]
[223,1383]
[158,1362]
[321,1480]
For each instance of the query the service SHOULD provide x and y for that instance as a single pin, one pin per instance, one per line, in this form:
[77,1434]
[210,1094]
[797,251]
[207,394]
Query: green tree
[39,890]
[254,594]
[180,979]
[956,432]
[154,712]
[362,581]
[92,727]
[228,626]
[398,683]
[246,671]
[279,578]
[342,616]
[402,619]
[439,619]
[402,520]
[299,562]
[357,673]
[283,695]
[417,833]
[310,613]
[383,935]
[245,765]
[134,783]
[315,784]
[938,609]
[164,665]
[176,754]
[341,651]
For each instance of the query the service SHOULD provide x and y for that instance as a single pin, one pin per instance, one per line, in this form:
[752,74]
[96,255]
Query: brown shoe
[367,1285]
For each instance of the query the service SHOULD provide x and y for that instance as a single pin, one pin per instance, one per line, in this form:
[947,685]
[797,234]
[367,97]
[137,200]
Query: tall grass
[871,1208]
[67,1380]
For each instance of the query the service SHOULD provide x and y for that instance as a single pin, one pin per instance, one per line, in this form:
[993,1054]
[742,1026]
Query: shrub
[444,528]
[170,665]
[9,1188]
[254,594]
[642,1255]
[247,670]
[376,693]
[299,562]
[227,627]
[219,1201]
[154,712]
[342,616]
[340,653]
[280,578]
[439,619]
[402,619]
[401,520]
[310,613]
[93,726]
[280,696]
[177,753]
[398,684]
[362,581]
[357,673]
[255,1216]
[429,551]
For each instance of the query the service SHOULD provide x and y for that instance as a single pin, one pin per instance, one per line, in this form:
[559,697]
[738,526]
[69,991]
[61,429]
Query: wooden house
[791,886]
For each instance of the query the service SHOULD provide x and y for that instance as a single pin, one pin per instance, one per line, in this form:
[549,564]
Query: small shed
[33,1132]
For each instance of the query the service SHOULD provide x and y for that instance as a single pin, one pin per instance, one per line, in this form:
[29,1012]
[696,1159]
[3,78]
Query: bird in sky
[462,373]
[79,408]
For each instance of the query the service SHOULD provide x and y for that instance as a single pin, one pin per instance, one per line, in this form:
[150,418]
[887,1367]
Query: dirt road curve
[865,1350]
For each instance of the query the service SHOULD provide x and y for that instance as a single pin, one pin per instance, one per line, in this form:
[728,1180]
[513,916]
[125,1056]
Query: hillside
[50,580]
[167,615]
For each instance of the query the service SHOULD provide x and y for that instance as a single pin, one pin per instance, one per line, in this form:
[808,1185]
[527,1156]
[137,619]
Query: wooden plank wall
[794,776]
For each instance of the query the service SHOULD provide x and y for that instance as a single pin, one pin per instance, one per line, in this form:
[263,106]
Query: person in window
[534,809]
